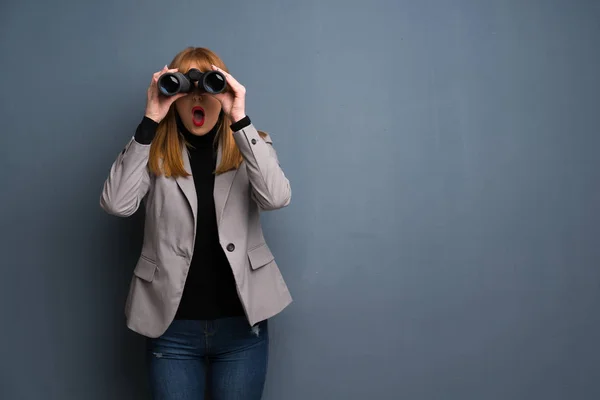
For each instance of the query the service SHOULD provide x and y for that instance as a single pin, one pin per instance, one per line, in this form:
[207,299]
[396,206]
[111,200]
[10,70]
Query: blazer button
[253,141]
[230,247]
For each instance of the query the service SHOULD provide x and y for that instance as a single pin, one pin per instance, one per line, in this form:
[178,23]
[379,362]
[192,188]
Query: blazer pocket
[260,256]
[145,269]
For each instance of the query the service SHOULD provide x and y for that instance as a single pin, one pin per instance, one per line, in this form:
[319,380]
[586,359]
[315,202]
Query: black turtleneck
[210,290]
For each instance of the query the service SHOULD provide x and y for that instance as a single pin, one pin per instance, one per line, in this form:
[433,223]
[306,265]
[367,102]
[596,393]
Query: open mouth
[198,116]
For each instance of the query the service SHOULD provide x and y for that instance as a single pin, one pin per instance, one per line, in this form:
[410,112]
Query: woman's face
[198,111]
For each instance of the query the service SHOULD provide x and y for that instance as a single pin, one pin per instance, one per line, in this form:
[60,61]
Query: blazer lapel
[186,184]
[223,184]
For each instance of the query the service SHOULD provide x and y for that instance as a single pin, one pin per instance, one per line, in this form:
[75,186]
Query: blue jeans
[233,353]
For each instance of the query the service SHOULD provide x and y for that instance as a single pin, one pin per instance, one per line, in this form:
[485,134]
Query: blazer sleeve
[128,180]
[270,188]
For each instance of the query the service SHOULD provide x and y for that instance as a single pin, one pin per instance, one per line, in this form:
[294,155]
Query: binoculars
[171,83]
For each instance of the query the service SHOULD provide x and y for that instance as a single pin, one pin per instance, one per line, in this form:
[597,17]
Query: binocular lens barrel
[213,82]
[171,83]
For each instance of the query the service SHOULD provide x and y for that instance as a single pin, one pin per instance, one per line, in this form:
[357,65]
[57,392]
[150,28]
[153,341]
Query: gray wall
[442,242]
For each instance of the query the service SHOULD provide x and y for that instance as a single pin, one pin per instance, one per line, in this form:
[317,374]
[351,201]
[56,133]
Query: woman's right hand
[158,105]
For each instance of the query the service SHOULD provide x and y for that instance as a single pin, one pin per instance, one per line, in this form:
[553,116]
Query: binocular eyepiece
[171,83]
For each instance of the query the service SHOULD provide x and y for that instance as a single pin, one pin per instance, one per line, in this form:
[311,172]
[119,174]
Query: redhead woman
[206,282]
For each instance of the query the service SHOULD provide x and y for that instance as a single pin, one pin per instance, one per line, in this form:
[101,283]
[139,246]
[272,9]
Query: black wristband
[146,131]
[241,124]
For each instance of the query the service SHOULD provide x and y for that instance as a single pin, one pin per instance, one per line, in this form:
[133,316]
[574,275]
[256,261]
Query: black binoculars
[171,83]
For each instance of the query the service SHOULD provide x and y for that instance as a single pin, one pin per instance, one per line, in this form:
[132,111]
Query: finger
[214,67]
[164,70]
[157,73]
[227,74]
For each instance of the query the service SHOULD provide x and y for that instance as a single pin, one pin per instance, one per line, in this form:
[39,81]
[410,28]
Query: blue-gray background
[442,241]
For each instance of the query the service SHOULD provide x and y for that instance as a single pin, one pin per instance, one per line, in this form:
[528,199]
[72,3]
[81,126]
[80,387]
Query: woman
[206,282]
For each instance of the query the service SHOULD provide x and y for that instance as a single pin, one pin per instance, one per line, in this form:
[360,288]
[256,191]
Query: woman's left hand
[233,101]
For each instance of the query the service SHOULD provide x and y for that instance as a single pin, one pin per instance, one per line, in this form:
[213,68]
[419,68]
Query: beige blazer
[170,227]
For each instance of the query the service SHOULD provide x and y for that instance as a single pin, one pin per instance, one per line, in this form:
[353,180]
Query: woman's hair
[165,151]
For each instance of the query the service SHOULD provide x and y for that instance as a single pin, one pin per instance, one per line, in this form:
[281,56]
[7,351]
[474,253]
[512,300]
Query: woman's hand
[233,101]
[158,105]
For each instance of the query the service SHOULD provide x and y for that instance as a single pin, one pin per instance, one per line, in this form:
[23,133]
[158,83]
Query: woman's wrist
[152,116]
[237,117]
